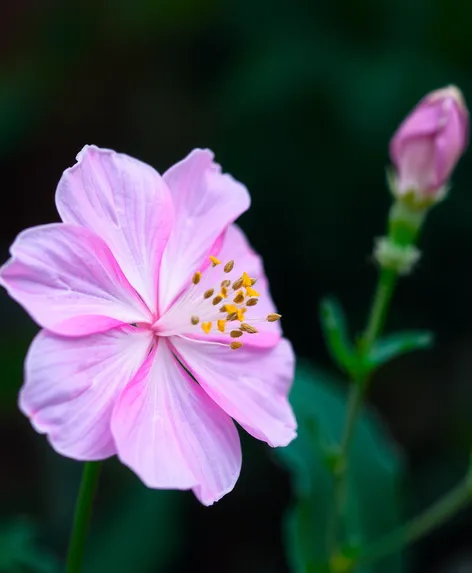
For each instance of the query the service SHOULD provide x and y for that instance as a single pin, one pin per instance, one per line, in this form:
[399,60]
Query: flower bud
[428,144]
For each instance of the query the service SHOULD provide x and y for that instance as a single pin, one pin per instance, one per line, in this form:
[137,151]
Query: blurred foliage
[19,552]
[298,100]
[140,534]
[373,501]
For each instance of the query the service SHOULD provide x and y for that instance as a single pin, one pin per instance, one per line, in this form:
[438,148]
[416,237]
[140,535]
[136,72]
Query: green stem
[83,513]
[430,519]
[378,313]
[380,305]
[339,486]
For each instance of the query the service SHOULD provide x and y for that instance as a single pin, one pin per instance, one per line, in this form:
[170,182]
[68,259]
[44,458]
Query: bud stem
[378,313]
[397,250]
[380,304]
[405,223]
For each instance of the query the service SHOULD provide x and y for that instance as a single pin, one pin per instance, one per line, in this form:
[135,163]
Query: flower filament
[217,303]
[230,318]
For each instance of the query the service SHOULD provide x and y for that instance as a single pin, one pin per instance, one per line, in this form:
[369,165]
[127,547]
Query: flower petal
[68,280]
[125,202]
[172,435]
[72,384]
[206,202]
[250,384]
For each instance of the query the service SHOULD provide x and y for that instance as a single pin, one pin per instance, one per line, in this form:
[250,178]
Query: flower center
[219,302]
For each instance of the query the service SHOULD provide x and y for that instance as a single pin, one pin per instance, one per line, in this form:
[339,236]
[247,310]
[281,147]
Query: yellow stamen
[230,308]
[196,277]
[273,317]
[206,327]
[214,261]
[226,283]
[247,280]
[252,292]
[209,293]
[232,316]
[229,266]
[217,299]
[235,345]
[224,292]
[238,284]
[239,297]
[194,320]
[235,333]
[245,327]
[251,302]
[240,314]
[221,325]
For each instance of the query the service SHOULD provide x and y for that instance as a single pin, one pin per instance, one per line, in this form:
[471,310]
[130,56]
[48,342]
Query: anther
[230,308]
[229,266]
[252,302]
[217,299]
[232,316]
[209,293]
[194,320]
[206,327]
[238,284]
[273,317]
[214,261]
[245,327]
[196,277]
[239,297]
[253,282]
[240,314]
[235,345]
[221,325]
[235,333]
[226,283]
[224,292]
[252,292]
[247,281]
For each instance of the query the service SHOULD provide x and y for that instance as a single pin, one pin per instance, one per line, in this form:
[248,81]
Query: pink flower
[428,144]
[135,356]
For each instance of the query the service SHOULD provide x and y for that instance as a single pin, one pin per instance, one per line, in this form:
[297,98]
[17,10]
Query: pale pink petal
[172,435]
[250,384]
[68,280]
[125,202]
[206,202]
[72,384]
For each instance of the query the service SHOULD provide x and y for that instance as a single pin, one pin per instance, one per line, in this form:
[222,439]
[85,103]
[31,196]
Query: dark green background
[298,100]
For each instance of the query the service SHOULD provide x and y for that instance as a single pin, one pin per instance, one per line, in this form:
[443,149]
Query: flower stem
[430,519]
[380,305]
[378,313]
[83,513]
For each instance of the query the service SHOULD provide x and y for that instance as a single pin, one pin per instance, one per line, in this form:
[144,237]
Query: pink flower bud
[428,144]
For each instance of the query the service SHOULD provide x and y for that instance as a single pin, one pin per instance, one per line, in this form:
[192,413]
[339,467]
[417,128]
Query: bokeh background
[298,100]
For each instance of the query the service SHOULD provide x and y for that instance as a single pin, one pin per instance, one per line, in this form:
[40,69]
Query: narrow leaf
[395,345]
[334,327]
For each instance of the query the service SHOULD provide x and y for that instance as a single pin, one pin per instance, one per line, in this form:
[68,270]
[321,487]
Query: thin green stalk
[430,519]
[377,316]
[379,309]
[83,513]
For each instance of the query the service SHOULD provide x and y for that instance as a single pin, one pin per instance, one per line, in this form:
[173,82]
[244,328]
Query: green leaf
[19,551]
[373,501]
[335,333]
[396,344]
